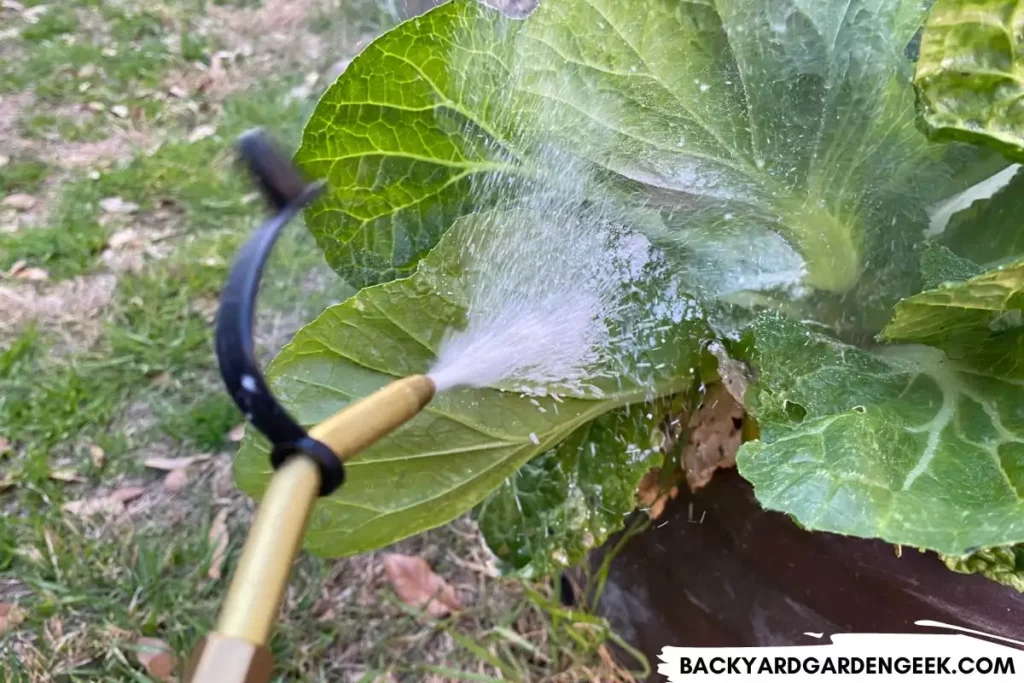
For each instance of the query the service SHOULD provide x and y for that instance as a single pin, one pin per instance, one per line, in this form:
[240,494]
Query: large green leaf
[969,73]
[466,442]
[901,444]
[785,122]
[565,502]
[969,320]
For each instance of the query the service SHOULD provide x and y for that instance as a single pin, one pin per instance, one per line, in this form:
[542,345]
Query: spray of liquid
[545,289]
[553,268]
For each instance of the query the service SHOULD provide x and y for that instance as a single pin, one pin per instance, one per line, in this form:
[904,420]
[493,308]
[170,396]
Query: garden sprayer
[307,464]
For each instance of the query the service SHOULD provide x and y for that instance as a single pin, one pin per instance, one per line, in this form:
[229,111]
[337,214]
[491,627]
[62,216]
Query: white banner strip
[875,656]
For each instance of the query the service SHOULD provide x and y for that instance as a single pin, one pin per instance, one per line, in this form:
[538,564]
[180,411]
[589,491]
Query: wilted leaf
[218,539]
[417,585]
[11,617]
[156,658]
[715,435]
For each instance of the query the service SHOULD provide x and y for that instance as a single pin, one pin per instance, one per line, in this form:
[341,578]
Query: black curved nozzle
[287,193]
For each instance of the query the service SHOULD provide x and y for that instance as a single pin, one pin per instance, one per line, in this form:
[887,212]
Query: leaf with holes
[902,443]
[570,499]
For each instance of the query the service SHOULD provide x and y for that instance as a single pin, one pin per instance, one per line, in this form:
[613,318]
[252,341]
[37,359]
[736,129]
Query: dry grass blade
[171,464]
[219,540]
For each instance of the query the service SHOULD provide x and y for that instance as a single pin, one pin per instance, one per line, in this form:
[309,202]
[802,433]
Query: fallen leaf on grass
[113,504]
[6,482]
[201,133]
[21,272]
[5,445]
[122,238]
[717,432]
[33,274]
[19,202]
[118,205]
[237,433]
[176,480]
[219,539]
[97,456]
[10,617]
[66,474]
[156,658]
[653,495]
[417,585]
[118,110]
[171,464]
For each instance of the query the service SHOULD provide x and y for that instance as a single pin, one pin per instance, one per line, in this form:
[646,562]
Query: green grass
[89,128]
[22,175]
[149,384]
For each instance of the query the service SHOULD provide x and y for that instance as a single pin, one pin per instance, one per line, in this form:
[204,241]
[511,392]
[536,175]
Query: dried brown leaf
[417,585]
[171,464]
[32,274]
[111,505]
[176,480]
[5,445]
[201,133]
[156,658]
[10,617]
[66,474]
[653,494]
[219,539]
[127,494]
[716,435]
[118,205]
[735,375]
[237,433]
[6,481]
[19,202]
[97,455]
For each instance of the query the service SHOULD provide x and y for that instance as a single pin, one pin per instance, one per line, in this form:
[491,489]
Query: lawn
[120,210]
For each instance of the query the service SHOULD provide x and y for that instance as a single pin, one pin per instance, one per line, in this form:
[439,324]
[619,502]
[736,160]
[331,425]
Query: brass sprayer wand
[307,465]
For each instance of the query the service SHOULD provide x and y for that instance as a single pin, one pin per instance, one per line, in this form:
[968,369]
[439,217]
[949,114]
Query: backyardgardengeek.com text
[754,665]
